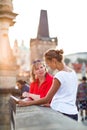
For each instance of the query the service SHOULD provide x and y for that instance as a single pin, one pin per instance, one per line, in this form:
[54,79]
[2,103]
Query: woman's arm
[34,96]
[55,86]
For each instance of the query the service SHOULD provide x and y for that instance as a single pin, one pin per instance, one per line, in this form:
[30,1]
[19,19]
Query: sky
[67,21]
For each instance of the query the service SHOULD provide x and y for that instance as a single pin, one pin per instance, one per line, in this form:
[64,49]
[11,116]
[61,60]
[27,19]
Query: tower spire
[43,29]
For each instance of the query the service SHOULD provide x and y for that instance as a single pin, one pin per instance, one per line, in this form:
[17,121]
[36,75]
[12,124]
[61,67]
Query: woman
[41,81]
[64,88]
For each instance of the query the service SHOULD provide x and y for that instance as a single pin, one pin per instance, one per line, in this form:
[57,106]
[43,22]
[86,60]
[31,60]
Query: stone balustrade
[44,118]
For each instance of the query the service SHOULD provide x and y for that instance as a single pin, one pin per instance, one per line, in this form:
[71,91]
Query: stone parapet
[5,121]
[5,112]
[44,118]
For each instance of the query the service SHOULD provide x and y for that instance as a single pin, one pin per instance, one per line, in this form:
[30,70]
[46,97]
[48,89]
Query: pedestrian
[63,91]
[82,98]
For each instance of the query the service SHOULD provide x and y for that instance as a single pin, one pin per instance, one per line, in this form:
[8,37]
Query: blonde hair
[34,66]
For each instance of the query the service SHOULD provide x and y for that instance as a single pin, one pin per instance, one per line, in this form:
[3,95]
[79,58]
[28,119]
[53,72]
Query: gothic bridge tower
[43,41]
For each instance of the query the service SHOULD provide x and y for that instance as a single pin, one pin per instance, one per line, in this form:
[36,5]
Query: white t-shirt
[65,98]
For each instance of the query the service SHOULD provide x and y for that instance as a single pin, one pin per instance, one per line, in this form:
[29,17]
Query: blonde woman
[41,81]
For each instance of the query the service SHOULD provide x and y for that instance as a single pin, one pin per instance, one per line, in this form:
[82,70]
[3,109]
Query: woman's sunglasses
[36,61]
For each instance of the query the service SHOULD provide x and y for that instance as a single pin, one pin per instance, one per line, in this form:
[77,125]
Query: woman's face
[40,70]
[51,64]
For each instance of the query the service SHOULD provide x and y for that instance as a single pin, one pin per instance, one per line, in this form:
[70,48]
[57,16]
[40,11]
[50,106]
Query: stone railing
[5,114]
[44,118]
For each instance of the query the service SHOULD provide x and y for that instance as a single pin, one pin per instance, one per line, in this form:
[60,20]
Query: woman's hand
[46,105]
[22,103]
[25,94]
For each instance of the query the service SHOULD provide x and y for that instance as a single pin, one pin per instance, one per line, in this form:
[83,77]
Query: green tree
[80,60]
[67,61]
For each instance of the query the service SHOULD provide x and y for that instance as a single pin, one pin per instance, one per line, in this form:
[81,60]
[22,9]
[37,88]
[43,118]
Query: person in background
[63,91]
[22,86]
[41,81]
[82,98]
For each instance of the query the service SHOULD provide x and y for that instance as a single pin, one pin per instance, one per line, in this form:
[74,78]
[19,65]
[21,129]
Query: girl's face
[40,70]
[51,63]
[19,85]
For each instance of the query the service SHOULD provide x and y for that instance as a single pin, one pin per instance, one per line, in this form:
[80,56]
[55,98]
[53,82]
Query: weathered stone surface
[8,66]
[5,127]
[5,121]
[42,118]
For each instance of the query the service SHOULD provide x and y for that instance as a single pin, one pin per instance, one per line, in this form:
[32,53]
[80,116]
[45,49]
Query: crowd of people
[60,92]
